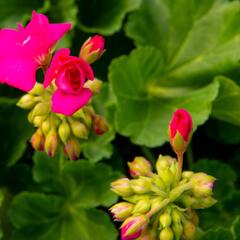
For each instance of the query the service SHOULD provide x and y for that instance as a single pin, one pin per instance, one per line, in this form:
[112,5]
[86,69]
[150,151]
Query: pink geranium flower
[24,50]
[69,73]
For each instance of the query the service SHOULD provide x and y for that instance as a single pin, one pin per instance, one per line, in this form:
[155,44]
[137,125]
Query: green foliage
[72,190]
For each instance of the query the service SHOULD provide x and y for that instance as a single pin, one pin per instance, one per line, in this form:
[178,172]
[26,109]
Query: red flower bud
[92,49]
[180,129]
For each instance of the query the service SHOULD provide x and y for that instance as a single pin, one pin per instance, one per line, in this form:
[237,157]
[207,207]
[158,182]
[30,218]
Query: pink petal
[67,104]
[56,63]
[18,73]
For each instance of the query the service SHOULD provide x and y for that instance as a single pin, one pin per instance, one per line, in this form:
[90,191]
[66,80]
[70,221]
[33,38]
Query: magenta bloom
[69,73]
[23,50]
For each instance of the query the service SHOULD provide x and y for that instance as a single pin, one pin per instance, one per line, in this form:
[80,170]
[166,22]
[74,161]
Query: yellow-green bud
[41,108]
[51,143]
[187,174]
[122,187]
[201,203]
[164,162]
[79,129]
[189,230]
[176,216]
[141,185]
[142,206]
[27,101]
[95,86]
[165,219]
[166,234]
[72,148]
[159,182]
[121,211]
[178,230]
[38,120]
[167,176]
[46,126]
[140,167]
[38,89]
[64,131]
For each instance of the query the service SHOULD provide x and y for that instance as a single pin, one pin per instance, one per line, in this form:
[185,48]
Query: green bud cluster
[167,200]
[53,130]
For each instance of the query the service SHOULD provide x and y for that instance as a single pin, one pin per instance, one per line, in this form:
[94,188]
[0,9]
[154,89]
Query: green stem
[180,163]
[190,158]
[148,154]
[167,92]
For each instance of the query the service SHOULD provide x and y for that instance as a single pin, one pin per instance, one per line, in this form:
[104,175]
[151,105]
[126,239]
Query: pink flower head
[92,49]
[69,73]
[23,50]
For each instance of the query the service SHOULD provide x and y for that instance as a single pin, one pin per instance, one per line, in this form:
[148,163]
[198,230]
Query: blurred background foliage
[161,55]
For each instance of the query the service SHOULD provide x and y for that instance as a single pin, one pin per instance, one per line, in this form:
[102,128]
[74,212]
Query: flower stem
[180,163]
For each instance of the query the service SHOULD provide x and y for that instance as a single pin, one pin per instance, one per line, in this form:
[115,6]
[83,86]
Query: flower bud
[51,143]
[166,162]
[142,206]
[64,131]
[38,89]
[72,148]
[79,129]
[27,101]
[165,219]
[202,184]
[132,227]
[148,234]
[166,234]
[121,211]
[141,185]
[38,140]
[140,167]
[99,124]
[189,230]
[180,129]
[46,126]
[122,187]
[178,230]
[95,86]
[201,203]
[92,49]
[41,108]
[38,120]
[176,216]
[187,174]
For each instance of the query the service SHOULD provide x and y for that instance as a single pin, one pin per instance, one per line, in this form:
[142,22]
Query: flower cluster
[161,205]
[60,107]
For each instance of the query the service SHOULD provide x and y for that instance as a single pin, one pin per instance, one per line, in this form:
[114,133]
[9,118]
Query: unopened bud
[201,203]
[176,216]
[95,86]
[142,206]
[64,131]
[187,174]
[140,167]
[180,129]
[79,129]
[51,143]
[99,124]
[27,101]
[166,234]
[165,219]
[122,187]
[38,140]
[121,211]
[72,148]
[189,230]
[41,108]
[141,185]
[38,89]
[178,230]
[92,49]
[202,184]
[132,227]
[38,120]
[46,126]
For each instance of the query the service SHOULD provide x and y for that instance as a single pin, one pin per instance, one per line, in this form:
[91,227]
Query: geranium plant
[119,120]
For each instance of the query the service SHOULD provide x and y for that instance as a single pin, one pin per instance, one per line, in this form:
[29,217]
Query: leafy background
[161,55]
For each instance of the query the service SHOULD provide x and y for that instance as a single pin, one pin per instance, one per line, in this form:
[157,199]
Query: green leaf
[226,107]
[104,17]
[14,11]
[80,181]
[15,131]
[144,107]
[198,39]
[236,228]
[219,234]
[45,217]
[73,190]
